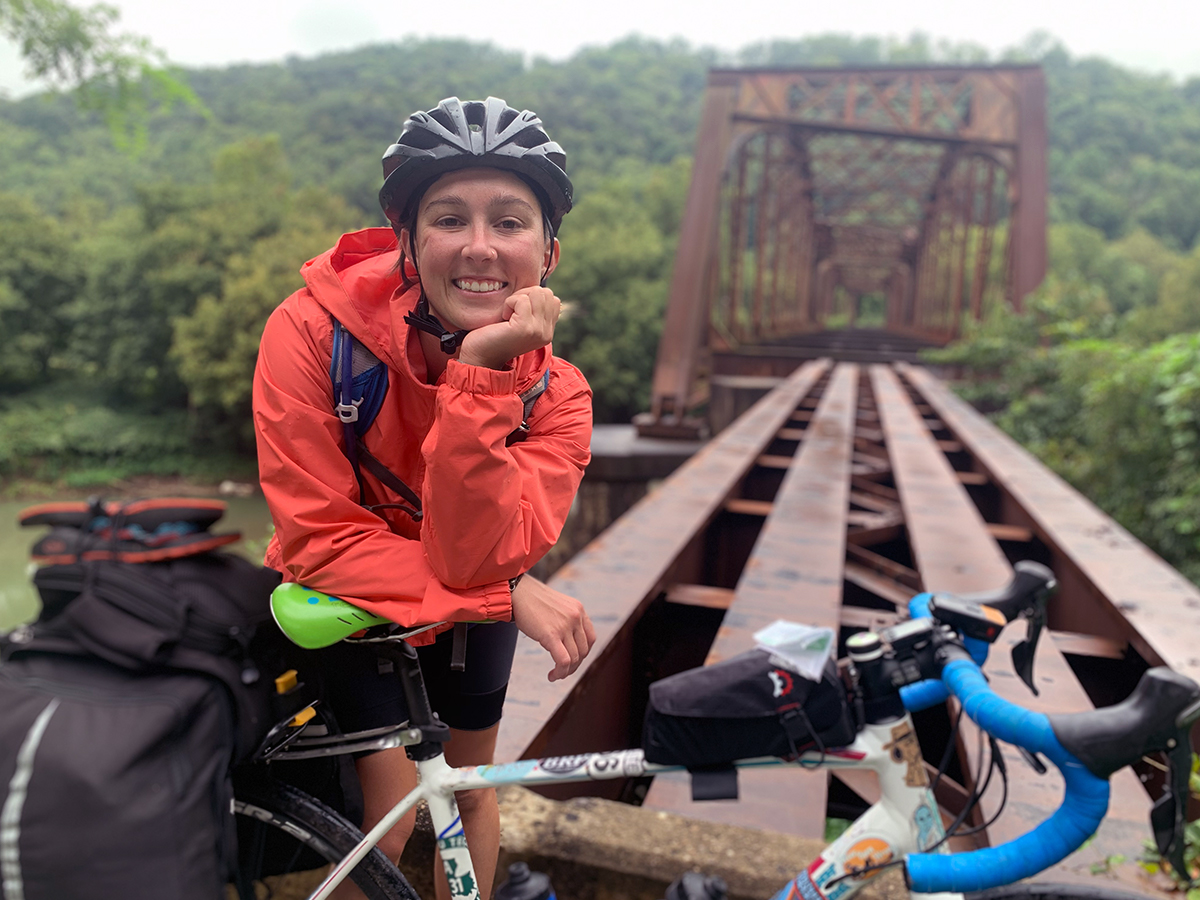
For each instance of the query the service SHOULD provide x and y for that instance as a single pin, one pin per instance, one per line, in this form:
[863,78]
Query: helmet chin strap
[421,318]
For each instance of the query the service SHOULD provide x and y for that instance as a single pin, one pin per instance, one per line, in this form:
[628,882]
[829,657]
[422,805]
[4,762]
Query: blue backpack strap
[360,382]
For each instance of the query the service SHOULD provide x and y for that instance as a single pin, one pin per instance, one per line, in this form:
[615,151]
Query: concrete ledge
[597,849]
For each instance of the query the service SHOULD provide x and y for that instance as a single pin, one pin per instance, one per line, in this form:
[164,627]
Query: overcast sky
[1149,35]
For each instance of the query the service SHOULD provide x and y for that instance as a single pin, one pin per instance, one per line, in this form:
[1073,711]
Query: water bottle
[695,886]
[525,885]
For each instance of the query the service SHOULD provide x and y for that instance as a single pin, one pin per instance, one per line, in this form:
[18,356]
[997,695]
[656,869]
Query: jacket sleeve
[329,542]
[492,511]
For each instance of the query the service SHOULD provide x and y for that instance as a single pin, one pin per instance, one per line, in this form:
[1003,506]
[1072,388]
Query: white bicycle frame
[904,820]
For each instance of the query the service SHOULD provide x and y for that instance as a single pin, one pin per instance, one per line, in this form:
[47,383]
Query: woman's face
[479,239]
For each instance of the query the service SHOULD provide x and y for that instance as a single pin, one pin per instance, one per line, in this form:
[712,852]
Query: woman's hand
[556,621]
[529,317]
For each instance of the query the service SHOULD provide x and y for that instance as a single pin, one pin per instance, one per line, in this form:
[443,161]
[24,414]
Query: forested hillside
[133,286]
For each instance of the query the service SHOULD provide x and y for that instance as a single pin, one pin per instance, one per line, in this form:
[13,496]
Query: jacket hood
[358,283]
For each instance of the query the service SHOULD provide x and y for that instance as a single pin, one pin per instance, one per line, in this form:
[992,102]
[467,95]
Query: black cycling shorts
[364,692]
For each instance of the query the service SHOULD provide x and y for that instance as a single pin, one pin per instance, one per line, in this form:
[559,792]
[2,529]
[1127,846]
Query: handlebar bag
[742,708]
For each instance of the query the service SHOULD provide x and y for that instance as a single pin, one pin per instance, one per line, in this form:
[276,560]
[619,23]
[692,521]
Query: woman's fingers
[562,660]
[557,622]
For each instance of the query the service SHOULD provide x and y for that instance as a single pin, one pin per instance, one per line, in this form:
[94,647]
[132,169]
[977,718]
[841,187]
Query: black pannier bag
[115,784]
[742,708]
[207,614]
[128,702]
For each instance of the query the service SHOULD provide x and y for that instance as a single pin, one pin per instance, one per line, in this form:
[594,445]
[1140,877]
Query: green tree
[618,248]
[39,278]
[118,75]
[216,345]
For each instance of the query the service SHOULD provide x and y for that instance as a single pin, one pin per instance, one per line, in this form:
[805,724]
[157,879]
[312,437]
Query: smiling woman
[485,256]
[465,479]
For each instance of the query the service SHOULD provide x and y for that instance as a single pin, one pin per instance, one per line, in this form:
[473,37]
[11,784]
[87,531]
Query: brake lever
[1023,653]
[1027,574]
[1168,816]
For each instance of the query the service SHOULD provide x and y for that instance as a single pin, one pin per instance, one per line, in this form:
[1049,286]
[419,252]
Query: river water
[18,599]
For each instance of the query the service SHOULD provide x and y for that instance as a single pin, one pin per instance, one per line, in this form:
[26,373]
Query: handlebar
[1082,809]
[933,691]
[1025,596]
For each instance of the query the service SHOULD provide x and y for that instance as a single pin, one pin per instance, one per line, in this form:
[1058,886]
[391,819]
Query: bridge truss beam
[904,199]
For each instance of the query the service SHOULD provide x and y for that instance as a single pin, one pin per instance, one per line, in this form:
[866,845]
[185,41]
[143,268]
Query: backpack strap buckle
[348,412]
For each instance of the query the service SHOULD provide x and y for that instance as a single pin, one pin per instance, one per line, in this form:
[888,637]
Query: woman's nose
[479,244]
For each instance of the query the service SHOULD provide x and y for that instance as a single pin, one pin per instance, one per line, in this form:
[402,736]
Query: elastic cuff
[480,379]
[499,602]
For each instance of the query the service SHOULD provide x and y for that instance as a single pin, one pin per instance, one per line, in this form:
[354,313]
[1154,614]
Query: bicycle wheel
[282,832]
[1050,891]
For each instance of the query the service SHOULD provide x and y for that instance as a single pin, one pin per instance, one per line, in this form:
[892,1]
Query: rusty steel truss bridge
[837,219]
[907,200]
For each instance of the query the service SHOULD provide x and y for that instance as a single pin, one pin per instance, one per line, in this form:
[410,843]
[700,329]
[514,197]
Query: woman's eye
[511,224]
[448,222]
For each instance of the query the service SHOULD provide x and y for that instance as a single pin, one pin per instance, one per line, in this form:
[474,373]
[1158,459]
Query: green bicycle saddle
[314,620]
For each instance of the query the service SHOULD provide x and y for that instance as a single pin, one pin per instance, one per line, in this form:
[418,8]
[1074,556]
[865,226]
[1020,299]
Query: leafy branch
[121,76]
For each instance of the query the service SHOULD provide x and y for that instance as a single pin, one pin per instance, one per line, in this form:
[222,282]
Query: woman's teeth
[478,287]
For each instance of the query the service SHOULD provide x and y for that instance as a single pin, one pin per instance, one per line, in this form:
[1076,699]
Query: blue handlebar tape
[932,691]
[1082,809]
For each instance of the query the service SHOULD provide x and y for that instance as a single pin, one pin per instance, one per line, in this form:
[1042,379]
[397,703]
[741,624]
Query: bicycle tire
[311,832]
[1038,890]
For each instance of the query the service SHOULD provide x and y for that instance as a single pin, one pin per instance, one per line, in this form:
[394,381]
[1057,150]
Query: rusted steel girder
[658,542]
[918,510]
[1119,588]
[794,572]
[895,174]
[954,551]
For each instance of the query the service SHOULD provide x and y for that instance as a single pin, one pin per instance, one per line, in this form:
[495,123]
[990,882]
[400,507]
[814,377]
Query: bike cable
[999,763]
[973,799]
[951,743]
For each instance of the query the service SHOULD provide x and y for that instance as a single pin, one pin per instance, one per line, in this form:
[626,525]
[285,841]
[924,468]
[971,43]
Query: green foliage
[216,345]
[188,247]
[1119,420]
[149,279]
[1124,149]
[46,436]
[36,286]
[118,75]
[618,247]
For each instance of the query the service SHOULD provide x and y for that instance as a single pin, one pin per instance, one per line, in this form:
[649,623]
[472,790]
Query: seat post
[420,715]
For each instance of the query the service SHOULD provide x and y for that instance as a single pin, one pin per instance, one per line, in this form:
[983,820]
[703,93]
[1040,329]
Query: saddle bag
[742,708]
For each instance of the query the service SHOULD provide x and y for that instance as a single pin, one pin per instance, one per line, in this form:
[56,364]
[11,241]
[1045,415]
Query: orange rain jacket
[491,511]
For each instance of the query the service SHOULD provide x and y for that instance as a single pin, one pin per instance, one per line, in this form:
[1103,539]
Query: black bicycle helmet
[458,135]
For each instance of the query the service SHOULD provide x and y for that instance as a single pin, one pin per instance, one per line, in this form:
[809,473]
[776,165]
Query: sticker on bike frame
[904,748]
[630,763]
[800,888]
[866,854]
[925,821]
[563,765]
[456,863]
[507,771]
[821,872]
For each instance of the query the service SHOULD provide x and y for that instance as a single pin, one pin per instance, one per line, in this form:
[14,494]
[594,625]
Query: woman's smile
[479,286]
